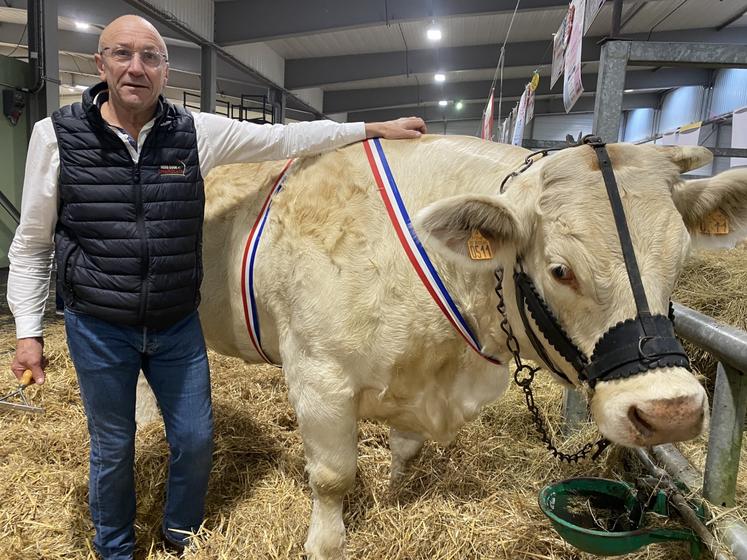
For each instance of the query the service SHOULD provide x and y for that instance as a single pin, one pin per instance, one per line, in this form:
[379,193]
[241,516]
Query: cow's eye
[563,274]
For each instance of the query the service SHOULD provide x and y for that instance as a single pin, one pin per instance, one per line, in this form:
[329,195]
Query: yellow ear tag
[479,247]
[715,223]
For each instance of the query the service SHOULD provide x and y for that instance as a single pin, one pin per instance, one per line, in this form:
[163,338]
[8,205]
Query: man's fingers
[38,375]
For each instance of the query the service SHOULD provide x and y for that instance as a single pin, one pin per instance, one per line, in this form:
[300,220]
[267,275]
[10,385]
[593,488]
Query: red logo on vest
[178,168]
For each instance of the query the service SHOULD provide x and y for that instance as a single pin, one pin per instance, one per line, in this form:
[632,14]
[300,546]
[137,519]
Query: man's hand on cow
[30,355]
[406,127]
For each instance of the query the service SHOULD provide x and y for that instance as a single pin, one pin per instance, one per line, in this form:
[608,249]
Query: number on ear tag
[479,247]
[715,223]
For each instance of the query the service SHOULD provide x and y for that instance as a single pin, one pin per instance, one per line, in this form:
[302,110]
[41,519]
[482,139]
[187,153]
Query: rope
[501,63]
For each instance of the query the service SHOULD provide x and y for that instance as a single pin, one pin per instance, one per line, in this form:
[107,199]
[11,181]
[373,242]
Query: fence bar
[725,439]
[728,344]
[10,208]
[732,530]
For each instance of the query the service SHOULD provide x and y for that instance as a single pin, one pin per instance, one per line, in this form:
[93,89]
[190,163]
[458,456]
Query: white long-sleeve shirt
[219,141]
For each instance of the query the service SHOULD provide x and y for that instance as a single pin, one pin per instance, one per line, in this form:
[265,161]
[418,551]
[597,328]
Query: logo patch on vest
[178,168]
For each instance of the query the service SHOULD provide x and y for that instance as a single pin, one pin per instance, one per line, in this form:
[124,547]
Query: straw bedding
[476,498]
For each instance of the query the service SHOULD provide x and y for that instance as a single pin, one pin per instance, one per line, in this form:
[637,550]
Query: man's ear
[460,226]
[99,60]
[719,201]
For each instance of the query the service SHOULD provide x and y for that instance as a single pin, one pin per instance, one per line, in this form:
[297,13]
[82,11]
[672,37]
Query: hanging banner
[487,119]
[521,118]
[558,52]
[739,134]
[530,104]
[668,138]
[505,130]
[593,7]
[572,86]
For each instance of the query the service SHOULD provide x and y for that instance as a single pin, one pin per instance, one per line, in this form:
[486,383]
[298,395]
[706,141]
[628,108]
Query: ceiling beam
[101,13]
[238,21]
[181,58]
[473,111]
[362,99]
[319,71]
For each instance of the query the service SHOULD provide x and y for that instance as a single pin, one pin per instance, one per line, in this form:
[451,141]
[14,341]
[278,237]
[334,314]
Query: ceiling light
[80,87]
[443,103]
[459,105]
[440,77]
[433,34]
[82,26]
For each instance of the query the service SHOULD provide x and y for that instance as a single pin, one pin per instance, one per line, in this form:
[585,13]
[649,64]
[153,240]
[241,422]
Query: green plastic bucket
[605,517]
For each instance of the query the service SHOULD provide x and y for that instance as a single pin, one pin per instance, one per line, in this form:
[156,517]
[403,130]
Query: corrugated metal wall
[681,106]
[261,58]
[639,124]
[195,14]
[555,127]
[729,91]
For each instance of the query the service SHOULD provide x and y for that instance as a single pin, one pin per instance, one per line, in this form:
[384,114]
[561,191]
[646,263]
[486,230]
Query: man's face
[132,62]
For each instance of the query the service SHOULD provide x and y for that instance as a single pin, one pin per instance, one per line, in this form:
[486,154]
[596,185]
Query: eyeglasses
[149,57]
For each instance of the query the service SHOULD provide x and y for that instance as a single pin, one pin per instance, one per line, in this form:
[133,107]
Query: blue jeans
[108,359]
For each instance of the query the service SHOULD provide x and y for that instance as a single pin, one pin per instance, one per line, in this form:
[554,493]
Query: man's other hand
[406,127]
[30,355]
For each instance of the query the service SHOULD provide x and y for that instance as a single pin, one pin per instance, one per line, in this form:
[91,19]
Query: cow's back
[331,275]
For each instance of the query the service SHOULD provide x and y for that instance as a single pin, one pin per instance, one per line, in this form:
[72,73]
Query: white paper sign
[572,85]
[558,53]
[487,119]
[592,10]
[739,134]
[521,116]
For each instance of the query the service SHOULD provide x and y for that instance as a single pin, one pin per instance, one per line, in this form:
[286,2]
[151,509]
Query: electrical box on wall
[14,102]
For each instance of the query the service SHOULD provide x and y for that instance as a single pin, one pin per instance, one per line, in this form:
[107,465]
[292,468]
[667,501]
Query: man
[117,181]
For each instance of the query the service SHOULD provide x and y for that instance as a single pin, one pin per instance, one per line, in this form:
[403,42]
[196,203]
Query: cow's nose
[667,420]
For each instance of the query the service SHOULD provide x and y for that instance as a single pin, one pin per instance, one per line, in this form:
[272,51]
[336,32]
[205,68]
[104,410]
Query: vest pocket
[68,265]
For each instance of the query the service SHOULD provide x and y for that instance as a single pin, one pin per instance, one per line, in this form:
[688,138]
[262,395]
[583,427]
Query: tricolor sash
[251,316]
[413,248]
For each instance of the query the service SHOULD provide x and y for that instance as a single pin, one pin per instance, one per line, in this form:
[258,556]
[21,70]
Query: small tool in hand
[18,395]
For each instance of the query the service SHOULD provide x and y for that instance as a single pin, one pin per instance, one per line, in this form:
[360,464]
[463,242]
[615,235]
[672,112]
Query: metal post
[724,443]
[43,58]
[277,102]
[575,411]
[617,10]
[609,94]
[208,81]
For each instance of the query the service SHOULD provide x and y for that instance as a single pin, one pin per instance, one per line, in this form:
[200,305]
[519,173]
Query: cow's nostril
[640,424]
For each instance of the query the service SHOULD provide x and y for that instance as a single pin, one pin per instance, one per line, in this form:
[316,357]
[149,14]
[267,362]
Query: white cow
[358,335]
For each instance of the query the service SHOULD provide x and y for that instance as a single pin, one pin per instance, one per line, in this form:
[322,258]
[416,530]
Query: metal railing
[239,111]
[10,208]
[729,346]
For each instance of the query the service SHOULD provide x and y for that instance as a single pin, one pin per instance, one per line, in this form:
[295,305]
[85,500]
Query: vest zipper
[144,253]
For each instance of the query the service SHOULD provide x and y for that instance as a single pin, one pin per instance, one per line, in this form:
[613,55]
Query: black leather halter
[633,346]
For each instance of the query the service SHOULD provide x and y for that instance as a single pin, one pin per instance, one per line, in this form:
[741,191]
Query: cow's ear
[687,158]
[716,202]
[457,226]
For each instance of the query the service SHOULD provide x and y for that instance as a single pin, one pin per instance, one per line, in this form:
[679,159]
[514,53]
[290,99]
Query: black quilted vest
[128,241]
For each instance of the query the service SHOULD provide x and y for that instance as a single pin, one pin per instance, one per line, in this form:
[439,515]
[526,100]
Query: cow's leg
[326,413]
[405,446]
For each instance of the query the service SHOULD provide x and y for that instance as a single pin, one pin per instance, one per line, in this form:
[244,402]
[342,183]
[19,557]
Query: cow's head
[556,220]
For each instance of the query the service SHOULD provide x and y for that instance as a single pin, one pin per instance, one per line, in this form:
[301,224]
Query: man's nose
[136,65]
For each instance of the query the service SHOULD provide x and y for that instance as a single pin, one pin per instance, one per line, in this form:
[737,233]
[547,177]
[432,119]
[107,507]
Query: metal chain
[523,377]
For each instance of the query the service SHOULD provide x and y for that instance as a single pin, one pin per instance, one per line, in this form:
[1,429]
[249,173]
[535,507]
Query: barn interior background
[675,72]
